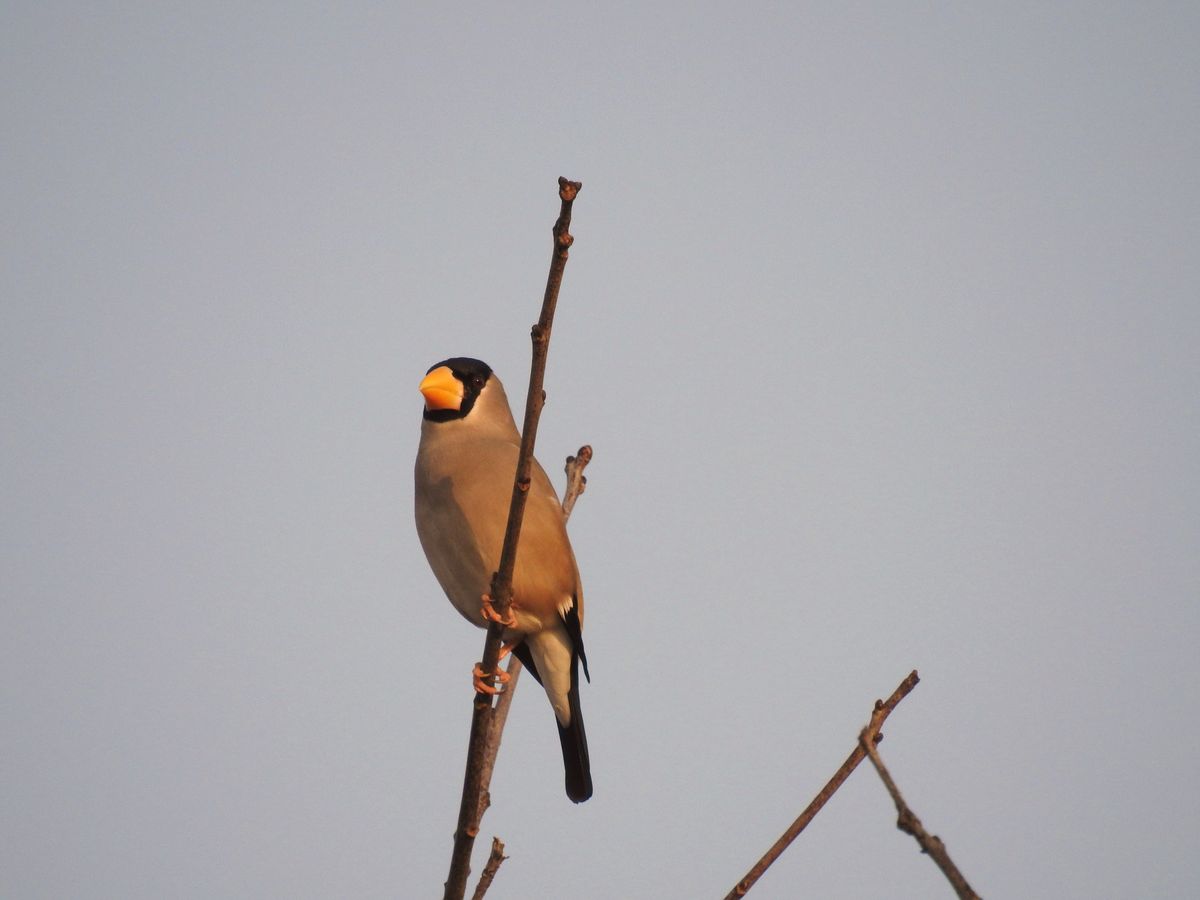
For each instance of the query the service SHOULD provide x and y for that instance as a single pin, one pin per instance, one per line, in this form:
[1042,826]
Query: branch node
[907,820]
[567,190]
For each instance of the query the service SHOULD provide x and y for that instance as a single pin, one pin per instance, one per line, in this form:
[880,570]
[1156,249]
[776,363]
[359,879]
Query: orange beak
[441,389]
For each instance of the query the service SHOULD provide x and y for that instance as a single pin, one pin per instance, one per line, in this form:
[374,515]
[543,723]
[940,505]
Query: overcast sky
[883,321]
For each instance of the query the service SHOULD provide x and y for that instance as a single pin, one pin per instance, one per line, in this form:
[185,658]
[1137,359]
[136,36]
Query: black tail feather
[574,747]
[576,764]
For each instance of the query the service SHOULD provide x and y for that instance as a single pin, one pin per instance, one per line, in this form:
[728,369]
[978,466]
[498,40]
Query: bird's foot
[484,682]
[508,620]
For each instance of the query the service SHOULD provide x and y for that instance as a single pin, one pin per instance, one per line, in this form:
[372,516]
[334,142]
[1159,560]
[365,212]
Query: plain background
[882,320]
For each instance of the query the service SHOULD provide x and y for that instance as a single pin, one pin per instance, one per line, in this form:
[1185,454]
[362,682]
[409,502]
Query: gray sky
[882,321]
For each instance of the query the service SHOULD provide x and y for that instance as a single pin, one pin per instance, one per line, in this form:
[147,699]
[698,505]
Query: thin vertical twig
[471,807]
[495,732]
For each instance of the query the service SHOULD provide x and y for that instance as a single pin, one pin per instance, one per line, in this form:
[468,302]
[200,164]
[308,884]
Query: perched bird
[466,464]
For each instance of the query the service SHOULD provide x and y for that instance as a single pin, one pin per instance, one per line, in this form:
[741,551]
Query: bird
[465,468]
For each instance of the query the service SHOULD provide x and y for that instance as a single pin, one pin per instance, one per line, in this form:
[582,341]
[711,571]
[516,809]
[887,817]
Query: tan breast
[463,492]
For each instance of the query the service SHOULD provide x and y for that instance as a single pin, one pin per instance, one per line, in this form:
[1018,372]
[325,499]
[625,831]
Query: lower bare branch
[489,869]
[883,709]
[496,731]
[908,822]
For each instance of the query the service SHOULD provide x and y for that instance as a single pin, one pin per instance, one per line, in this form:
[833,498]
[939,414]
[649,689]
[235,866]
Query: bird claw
[483,680]
[508,620]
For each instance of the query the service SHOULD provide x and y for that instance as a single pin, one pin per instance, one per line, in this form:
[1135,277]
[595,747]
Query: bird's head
[464,389]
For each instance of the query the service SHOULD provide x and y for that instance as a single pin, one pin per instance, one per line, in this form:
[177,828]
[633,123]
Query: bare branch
[908,821]
[473,802]
[489,869]
[883,709]
[495,733]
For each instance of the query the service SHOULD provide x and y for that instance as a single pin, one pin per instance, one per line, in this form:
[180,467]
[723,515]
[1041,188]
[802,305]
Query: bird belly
[455,556]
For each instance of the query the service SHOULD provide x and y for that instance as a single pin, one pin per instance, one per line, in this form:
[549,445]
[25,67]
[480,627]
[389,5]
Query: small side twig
[489,869]
[908,822]
[575,486]
[576,481]
[883,708]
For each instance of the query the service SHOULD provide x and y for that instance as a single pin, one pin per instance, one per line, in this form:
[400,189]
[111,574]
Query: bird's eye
[476,382]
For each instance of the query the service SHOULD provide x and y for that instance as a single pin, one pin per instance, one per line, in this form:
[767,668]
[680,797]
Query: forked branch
[908,822]
[883,709]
